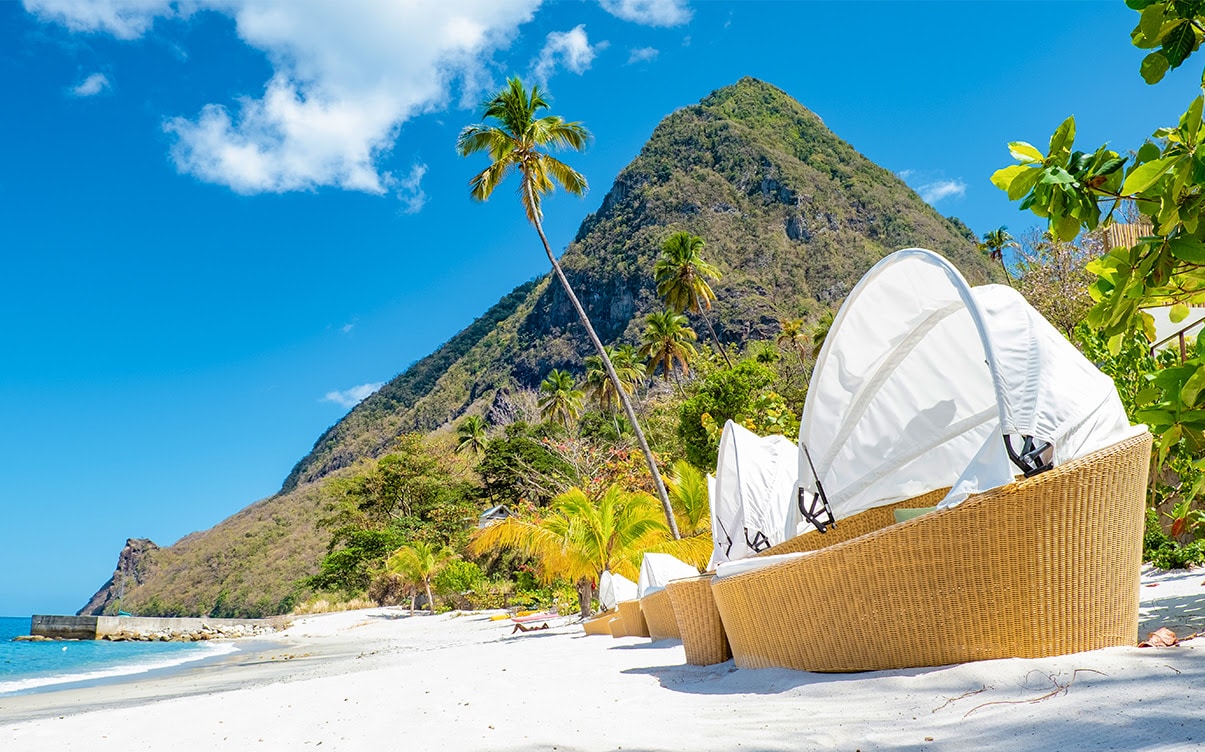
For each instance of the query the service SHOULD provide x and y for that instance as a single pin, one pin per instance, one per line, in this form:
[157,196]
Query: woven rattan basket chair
[634,624]
[699,624]
[600,624]
[659,615]
[1045,566]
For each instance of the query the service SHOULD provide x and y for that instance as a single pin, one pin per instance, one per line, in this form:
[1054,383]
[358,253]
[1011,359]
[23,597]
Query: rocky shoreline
[199,634]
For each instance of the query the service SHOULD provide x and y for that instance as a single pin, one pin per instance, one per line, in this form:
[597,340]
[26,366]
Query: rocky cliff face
[133,566]
[791,214]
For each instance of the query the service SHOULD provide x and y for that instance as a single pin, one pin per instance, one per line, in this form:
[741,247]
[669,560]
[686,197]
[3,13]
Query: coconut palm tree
[681,275]
[667,339]
[994,243]
[561,401]
[688,491]
[470,435]
[418,563]
[627,366]
[580,537]
[515,139]
[792,333]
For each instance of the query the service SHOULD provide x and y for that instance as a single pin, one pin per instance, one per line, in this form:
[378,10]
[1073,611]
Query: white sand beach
[380,679]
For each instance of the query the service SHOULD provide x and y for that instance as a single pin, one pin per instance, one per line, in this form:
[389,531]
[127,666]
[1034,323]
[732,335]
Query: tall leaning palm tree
[681,275]
[666,340]
[994,243]
[515,138]
[561,400]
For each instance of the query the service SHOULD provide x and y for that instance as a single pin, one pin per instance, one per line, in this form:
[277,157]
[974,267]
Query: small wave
[209,650]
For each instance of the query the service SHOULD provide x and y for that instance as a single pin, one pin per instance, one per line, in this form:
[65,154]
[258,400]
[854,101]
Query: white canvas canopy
[613,588]
[657,570]
[922,378]
[754,491]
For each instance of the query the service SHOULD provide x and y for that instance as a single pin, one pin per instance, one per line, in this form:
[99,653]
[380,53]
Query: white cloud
[941,189]
[346,76]
[91,86]
[124,19]
[410,191]
[649,12]
[568,48]
[354,396]
[643,54]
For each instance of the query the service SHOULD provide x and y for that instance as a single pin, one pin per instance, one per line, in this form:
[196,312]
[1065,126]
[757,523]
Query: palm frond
[692,549]
[483,183]
[570,179]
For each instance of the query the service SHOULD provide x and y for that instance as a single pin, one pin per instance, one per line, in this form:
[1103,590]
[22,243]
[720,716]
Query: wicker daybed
[1045,566]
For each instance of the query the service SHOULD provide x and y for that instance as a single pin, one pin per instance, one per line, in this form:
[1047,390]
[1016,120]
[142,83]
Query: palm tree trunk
[585,594]
[715,339]
[1007,277]
[430,601]
[606,361]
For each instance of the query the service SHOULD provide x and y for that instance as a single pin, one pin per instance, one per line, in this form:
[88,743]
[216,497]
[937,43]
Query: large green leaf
[1192,388]
[1004,177]
[1151,22]
[1187,248]
[1063,137]
[1144,176]
[1025,152]
[1179,42]
[1154,67]
[1023,183]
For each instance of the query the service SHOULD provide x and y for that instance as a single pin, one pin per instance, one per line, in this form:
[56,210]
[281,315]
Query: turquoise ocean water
[30,666]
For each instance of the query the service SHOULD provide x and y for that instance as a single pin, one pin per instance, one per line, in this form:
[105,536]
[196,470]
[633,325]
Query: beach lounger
[634,624]
[1048,565]
[699,625]
[659,615]
[600,624]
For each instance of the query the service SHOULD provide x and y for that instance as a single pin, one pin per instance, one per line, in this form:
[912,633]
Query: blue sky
[220,226]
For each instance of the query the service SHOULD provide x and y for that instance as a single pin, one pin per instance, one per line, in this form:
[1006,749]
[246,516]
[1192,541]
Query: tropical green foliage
[994,244]
[682,278]
[628,367]
[1162,185]
[668,341]
[470,434]
[560,400]
[793,334]
[725,394]
[581,537]
[687,487]
[407,496]
[1149,386]
[417,563]
[520,466]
